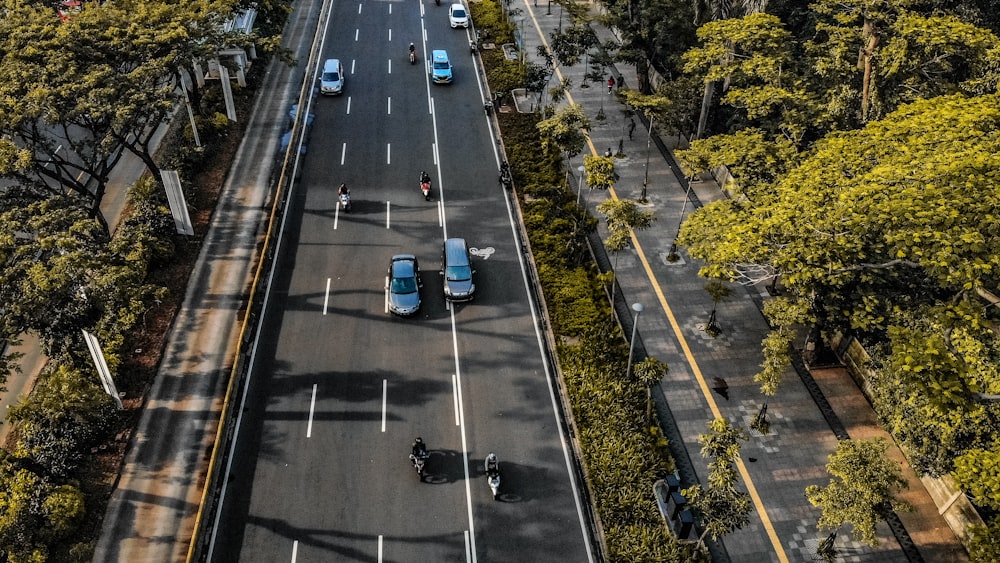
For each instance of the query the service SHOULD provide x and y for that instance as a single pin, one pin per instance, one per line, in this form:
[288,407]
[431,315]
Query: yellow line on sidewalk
[706,391]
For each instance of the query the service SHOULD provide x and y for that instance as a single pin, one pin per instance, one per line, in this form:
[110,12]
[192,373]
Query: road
[340,387]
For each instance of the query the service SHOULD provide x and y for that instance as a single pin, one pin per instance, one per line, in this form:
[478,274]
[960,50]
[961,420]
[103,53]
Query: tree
[856,231]
[623,218]
[75,95]
[652,106]
[902,55]
[862,488]
[752,57]
[977,472]
[721,507]
[50,249]
[34,512]
[67,413]
[718,291]
[600,171]
[565,131]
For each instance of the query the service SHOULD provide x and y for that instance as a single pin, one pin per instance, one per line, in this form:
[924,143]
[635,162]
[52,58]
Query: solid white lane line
[388,153]
[387,294]
[468,548]
[380,549]
[440,213]
[454,394]
[388,106]
[434,150]
[295,550]
[387,214]
[326,298]
[312,410]
[385,385]
[343,153]
[465,441]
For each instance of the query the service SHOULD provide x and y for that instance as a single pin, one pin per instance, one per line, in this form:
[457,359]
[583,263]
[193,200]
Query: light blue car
[440,67]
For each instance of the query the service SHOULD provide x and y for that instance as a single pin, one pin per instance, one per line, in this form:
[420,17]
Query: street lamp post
[579,185]
[645,181]
[637,307]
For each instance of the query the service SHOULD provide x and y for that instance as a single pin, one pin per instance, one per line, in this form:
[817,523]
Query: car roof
[331,62]
[440,55]
[457,6]
[403,265]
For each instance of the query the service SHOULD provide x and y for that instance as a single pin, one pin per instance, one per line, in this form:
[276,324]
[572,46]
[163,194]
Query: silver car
[403,285]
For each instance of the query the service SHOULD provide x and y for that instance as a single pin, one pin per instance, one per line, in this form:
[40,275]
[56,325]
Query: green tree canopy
[862,488]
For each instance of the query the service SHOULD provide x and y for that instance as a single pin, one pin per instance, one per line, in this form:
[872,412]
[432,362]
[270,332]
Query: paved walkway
[777,467]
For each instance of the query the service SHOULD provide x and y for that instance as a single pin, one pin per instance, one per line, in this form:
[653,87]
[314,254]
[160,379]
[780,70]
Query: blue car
[403,285]
[440,67]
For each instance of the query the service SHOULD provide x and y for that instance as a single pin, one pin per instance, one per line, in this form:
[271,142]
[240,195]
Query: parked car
[458,16]
[403,284]
[331,81]
[440,67]
[456,267]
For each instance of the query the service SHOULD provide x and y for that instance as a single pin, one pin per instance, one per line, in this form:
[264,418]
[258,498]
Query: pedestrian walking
[621,81]
[631,128]
[611,84]
[607,153]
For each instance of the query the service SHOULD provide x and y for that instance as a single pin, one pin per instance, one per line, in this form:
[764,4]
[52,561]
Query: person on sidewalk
[621,81]
[611,84]
[631,128]
[607,153]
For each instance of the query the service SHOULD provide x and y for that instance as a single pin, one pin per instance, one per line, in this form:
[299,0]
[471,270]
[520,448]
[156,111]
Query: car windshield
[458,13]
[331,76]
[458,273]
[404,285]
[441,65]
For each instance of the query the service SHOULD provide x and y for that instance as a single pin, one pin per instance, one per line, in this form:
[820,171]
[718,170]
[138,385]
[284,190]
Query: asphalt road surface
[341,387]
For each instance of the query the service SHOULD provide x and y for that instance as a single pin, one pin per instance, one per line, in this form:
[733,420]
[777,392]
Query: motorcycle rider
[342,190]
[424,178]
[418,449]
[492,465]
[413,52]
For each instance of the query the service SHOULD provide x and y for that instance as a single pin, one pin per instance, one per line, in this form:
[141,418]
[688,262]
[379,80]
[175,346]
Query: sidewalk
[777,467]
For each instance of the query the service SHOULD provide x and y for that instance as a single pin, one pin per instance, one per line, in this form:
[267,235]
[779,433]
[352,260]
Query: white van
[331,82]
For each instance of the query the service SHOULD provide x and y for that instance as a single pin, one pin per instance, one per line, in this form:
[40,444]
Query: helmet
[419,440]
[492,457]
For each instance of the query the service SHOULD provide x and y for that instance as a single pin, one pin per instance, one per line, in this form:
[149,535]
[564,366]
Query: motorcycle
[345,201]
[425,186]
[418,462]
[413,57]
[494,482]
[493,475]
